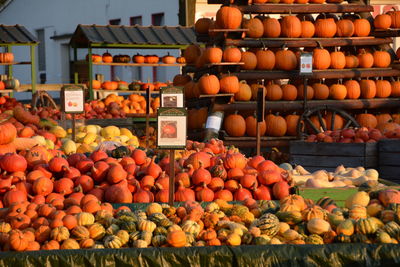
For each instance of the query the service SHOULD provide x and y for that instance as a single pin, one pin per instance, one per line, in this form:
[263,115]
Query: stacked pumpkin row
[287,59]
[138,58]
[84,223]
[123,85]
[325,25]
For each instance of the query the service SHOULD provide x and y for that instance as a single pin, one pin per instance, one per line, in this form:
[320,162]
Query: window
[41,50]
[136,20]
[157,19]
[115,21]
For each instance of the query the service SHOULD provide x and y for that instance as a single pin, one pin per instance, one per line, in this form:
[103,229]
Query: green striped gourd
[314,240]
[268,224]
[366,226]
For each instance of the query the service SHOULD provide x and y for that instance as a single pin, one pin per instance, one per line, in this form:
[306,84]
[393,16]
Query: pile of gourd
[85,223]
[341,177]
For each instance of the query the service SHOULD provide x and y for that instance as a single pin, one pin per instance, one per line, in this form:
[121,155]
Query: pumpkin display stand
[374,40]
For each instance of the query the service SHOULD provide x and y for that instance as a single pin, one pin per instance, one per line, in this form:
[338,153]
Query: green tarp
[254,256]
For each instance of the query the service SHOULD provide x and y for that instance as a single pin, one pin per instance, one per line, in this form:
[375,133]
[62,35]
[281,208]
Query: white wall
[62,16]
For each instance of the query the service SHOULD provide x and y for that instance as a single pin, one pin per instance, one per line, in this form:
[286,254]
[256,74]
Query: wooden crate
[316,156]
[389,160]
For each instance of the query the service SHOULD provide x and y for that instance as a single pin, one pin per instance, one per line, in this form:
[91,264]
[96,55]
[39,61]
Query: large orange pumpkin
[249,59]
[202,25]
[383,88]
[307,29]
[244,93]
[274,92]
[289,92]
[276,125]
[325,27]
[229,17]
[235,125]
[382,21]
[367,120]
[229,84]
[192,53]
[368,88]
[321,91]
[8,133]
[345,28]
[351,61]
[272,28]
[382,59]
[291,26]
[353,89]
[362,27]
[213,55]
[337,91]
[395,18]
[338,123]
[365,59]
[231,54]
[321,59]
[285,60]
[265,60]
[251,126]
[209,84]
[255,27]
[291,122]
[338,60]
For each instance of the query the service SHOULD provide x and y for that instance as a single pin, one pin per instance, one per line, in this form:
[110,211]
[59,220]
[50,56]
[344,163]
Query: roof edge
[4,6]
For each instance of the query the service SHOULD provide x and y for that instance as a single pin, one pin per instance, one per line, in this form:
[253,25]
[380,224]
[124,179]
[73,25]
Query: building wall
[58,17]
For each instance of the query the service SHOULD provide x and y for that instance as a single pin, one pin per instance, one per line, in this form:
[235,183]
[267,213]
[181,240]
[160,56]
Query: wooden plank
[141,65]
[327,161]
[304,9]
[299,105]
[318,74]
[331,149]
[389,146]
[389,159]
[386,33]
[308,42]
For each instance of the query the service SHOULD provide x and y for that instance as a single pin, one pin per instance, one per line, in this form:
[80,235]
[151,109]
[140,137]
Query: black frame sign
[171,128]
[172,96]
[72,99]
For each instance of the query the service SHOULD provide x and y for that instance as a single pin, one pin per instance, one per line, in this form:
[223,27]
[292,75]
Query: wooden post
[147,115]
[171,177]
[73,126]
[260,116]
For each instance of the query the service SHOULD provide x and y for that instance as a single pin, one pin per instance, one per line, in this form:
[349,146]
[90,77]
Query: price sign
[172,96]
[72,99]
[306,63]
[171,128]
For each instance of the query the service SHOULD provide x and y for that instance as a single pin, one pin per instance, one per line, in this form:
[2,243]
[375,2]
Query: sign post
[172,96]
[72,102]
[260,115]
[171,134]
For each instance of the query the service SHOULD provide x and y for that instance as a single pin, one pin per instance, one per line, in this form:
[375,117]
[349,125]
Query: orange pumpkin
[291,27]
[300,92]
[325,27]
[273,92]
[345,28]
[351,61]
[365,59]
[321,59]
[213,55]
[285,60]
[272,28]
[232,54]
[244,93]
[338,60]
[395,89]
[229,84]
[289,92]
[382,21]
[307,29]
[321,91]
[265,60]
[383,88]
[251,126]
[368,88]
[291,122]
[235,125]
[337,91]
[229,17]
[362,27]
[276,125]
[202,25]
[367,120]
[353,89]
[249,59]
[382,59]
[255,27]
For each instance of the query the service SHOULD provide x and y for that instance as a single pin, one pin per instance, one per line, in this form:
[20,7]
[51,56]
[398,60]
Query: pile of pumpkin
[83,222]
[301,26]
[126,175]
[138,58]
[123,85]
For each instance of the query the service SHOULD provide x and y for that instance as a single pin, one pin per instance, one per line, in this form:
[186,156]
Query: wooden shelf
[375,103]
[308,42]
[141,115]
[125,91]
[141,65]
[304,8]
[249,142]
[318,74]
[16,63]
[386,33]
[42,87]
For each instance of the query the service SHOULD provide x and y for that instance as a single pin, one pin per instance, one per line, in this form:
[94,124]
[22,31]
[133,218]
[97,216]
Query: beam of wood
[386,33]
[308,42]
[142,65]
[318,74]
[298,105]
[303,9]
